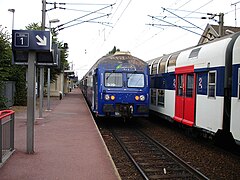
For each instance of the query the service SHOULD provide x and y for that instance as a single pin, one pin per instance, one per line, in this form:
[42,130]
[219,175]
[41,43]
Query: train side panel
[207,88]
[235,100]
[210,103]
[208,61]
[162,93]
[167,109]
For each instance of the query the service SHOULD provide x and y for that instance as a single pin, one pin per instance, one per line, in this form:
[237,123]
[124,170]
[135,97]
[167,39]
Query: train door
[95,90]
[185,95]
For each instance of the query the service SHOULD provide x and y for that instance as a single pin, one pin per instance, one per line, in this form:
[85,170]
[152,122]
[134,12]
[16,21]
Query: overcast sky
[126,27]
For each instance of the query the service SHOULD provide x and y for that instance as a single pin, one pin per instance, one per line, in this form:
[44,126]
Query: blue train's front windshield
[113,79]
[135,80]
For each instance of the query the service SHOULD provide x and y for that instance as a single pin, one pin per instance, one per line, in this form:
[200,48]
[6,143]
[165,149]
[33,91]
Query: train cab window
[113,79]
[190,84]
[161,97]
[180,85]
[135,80]
[212,84]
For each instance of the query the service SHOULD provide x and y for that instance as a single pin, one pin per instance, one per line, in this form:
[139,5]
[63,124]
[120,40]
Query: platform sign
[43,58]
[28,40]
[21,40]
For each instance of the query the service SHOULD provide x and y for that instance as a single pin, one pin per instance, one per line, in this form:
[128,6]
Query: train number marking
[200,83]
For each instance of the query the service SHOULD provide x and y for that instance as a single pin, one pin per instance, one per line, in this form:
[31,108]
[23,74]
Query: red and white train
[200,87]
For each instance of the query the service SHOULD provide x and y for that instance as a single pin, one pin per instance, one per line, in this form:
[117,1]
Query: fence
[6,135]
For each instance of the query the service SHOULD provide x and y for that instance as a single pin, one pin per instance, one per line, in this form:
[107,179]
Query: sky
[144,28]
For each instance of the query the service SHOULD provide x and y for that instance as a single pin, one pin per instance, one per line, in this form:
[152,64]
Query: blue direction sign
[26,40]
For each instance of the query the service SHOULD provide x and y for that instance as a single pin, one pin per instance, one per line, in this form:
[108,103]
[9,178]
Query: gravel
[212,161]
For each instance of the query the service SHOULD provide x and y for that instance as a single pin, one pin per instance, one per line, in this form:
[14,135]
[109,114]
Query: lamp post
[48,85]
[13,11]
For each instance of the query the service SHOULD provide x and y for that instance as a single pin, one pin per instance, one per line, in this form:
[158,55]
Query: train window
[89,81]
[154,67]
[153,97]
[113,79]
[161,97]
[162,65]
[212,84]
[180,85]
[194,53]
[135,80]
[190,83]
[172,60]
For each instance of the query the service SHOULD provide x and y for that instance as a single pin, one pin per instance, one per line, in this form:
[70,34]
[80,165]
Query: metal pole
[235,8]
[41,92]
[62,83]
[31,101]
[13,11]
[13,20]
[41,68]
[1,146]
[221,32]
[12,132]
[48,89]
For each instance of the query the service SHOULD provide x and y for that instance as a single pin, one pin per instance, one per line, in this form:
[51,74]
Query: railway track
[153,160]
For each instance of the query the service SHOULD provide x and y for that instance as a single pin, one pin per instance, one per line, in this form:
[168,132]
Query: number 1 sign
[21,40]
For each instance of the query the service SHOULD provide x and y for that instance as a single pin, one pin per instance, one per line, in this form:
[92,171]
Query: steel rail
[185,165]
[129,155]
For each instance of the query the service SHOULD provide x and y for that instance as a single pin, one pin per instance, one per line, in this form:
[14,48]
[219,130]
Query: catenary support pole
[48,91]
[42,68]
[31,101]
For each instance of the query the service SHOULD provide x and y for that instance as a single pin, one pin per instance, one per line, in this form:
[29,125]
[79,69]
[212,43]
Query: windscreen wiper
[110,74]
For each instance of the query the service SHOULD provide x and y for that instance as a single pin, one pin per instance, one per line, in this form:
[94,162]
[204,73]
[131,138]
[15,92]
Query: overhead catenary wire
[190,12]
[124,10]
[120,16]
[59,29]
[179,26]
[81,4]
[181,18]
[80,10]
[85,15]
[167,25]
[177,9]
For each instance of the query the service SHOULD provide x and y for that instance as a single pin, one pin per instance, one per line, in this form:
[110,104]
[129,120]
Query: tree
[34,26]
[6,72]
[114,50]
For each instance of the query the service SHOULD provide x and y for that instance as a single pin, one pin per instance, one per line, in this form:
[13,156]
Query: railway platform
[67,145]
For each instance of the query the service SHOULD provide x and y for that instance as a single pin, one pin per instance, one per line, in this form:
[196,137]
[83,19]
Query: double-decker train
[117,86]
[199,87]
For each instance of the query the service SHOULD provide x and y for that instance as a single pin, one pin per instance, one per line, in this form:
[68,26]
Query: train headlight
[142,98]
[106,97]
[137,98]
[112,97]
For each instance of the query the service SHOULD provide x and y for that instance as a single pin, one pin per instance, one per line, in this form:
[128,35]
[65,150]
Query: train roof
[120,61]
[192,47]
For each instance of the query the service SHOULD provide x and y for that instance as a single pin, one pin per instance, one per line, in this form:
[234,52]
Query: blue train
[199,87]
[117,86]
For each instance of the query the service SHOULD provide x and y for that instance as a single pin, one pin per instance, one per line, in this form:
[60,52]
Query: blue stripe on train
[167,80]
[163,81]
[202,80]
[235,80]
